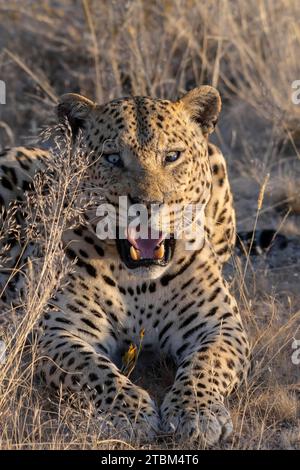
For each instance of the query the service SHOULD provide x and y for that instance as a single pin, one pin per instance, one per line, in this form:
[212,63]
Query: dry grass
[250,50]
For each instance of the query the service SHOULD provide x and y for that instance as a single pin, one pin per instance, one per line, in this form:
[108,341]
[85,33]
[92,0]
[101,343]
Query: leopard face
[149,154]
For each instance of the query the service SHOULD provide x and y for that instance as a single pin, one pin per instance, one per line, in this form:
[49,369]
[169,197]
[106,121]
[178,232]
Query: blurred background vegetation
[104,49]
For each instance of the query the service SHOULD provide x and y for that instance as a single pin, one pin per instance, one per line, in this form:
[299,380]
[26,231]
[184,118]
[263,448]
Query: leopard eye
[114,159]
[172,156]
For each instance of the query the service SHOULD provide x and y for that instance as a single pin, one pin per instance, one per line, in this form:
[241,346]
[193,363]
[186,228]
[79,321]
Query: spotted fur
[185,308]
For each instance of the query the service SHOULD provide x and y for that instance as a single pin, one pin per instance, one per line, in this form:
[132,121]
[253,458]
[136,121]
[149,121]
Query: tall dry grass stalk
[55,205]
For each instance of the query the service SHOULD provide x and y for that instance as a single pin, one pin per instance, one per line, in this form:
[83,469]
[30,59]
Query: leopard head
[146,153]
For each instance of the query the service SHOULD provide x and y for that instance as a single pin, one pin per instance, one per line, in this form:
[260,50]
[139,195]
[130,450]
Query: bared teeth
[135,254]
[159,252]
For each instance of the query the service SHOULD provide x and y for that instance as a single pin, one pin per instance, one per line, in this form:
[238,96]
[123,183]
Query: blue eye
[114,159]
[172,156]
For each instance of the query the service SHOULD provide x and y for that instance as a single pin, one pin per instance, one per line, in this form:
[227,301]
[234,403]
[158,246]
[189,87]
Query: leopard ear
[75,108]
[204,105]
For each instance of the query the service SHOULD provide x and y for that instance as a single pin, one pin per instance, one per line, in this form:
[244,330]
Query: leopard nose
[143,200]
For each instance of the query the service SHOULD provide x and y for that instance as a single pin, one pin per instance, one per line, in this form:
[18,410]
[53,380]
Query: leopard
[153,152]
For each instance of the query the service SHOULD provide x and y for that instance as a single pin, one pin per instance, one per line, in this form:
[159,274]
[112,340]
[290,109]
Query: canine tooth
[159,252]
[135,254]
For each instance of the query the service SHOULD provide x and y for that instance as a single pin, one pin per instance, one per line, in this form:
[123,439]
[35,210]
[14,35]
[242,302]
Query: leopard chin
[147,273]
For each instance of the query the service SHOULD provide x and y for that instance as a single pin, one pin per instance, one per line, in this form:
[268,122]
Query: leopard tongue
[158,253]
[145,248]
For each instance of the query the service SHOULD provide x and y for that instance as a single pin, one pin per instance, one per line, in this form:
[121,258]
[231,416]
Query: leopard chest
[131,306]
[137,310]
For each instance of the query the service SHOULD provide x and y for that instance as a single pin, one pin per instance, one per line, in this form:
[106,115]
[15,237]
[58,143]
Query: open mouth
[136,251]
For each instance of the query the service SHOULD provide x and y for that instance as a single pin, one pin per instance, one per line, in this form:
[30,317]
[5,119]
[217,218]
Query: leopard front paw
[208,422]
[131,416]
